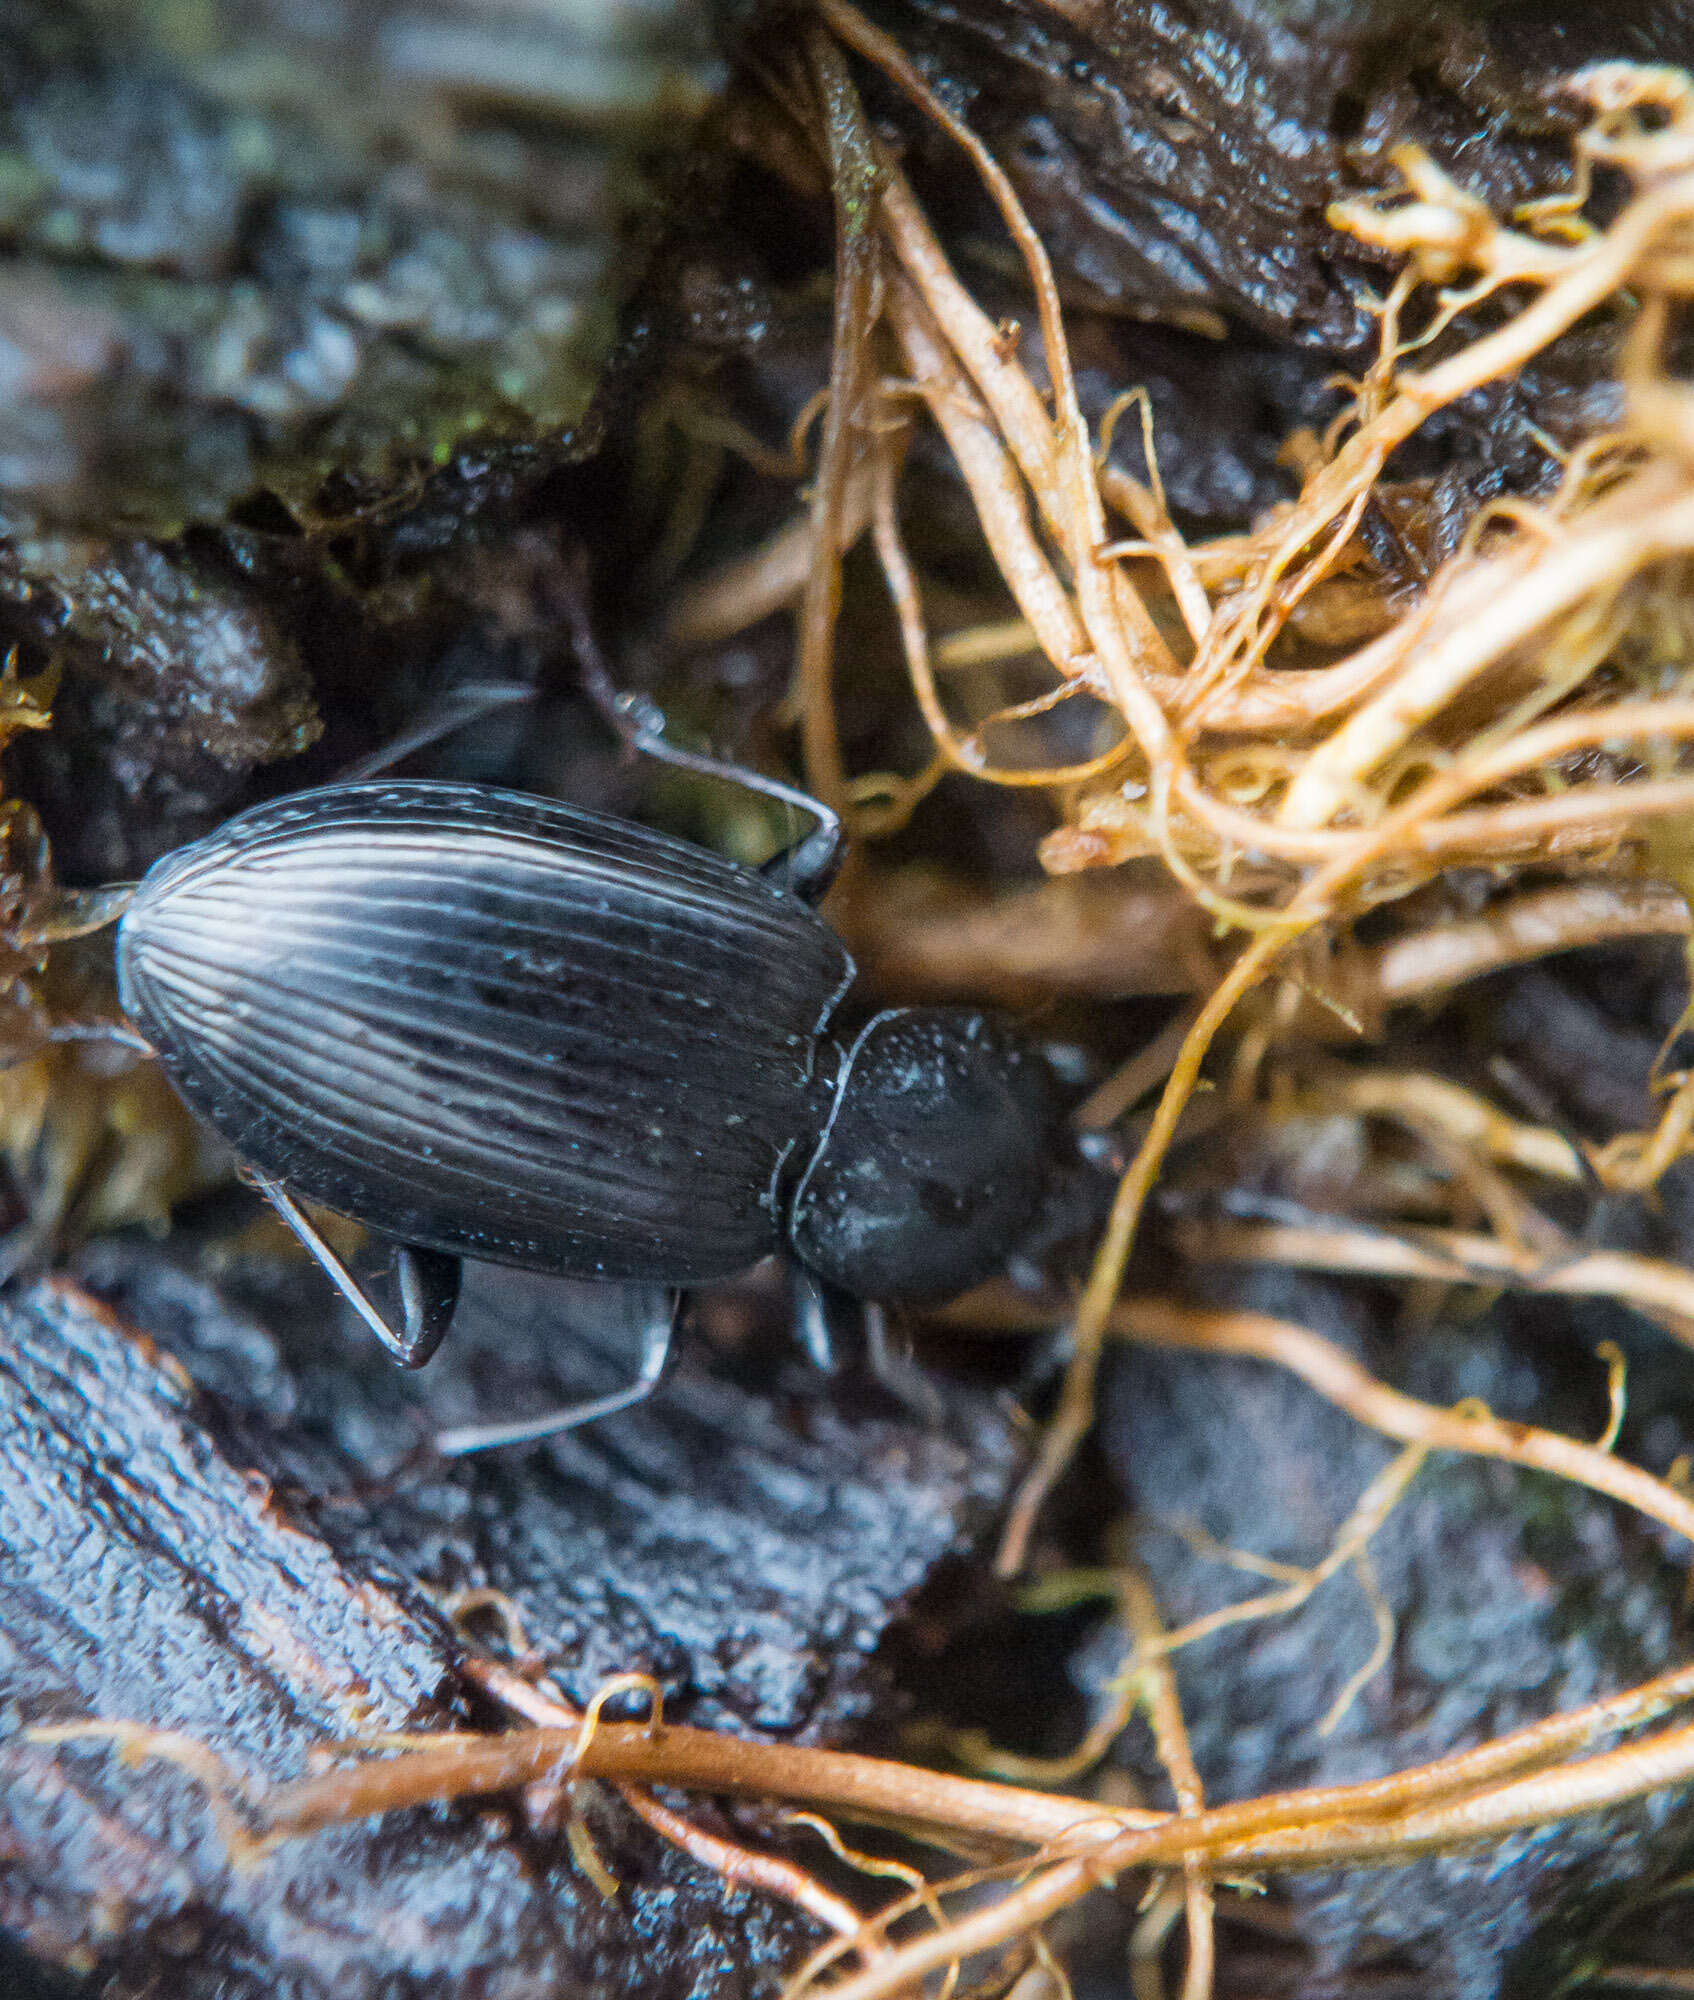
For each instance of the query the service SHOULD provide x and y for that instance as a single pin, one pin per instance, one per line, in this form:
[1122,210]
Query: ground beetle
[489,1025]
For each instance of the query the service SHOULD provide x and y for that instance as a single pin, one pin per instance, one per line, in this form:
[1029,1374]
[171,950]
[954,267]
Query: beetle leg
[816,1310]
[812,863]
[828,1320]
[427,1295]
[657,1344]
[890,1362]
[809,866]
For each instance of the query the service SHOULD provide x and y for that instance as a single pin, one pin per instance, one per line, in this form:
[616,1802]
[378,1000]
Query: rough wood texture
[162,1563]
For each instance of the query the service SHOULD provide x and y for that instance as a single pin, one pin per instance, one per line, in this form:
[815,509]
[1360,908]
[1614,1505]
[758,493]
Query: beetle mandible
[489,1025]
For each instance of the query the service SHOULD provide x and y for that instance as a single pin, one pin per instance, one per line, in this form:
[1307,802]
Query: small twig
[770,579]
[742,1866]
[1525,926]
[853,177]
[1170,1739]
[692,1760]
[1650,1284]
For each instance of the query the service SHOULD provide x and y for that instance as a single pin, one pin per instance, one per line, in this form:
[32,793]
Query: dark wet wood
[208,1557]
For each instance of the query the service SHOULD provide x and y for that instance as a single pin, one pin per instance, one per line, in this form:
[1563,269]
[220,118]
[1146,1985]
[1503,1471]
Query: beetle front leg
[836,1330]
[658,1341]
[429,1282]
[817,1312]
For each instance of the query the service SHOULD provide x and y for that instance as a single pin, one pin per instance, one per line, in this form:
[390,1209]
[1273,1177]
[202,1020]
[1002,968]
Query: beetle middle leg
[658,1341]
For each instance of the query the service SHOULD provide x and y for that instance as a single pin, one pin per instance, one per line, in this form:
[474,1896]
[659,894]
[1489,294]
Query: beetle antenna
[448,712]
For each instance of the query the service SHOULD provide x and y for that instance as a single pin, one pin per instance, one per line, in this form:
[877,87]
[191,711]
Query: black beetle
[493,1026]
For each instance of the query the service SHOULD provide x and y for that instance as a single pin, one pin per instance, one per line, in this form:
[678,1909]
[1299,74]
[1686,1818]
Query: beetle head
[935,1162]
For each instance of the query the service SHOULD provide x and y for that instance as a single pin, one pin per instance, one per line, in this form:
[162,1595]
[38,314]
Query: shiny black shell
[492,1024]
[936,1161]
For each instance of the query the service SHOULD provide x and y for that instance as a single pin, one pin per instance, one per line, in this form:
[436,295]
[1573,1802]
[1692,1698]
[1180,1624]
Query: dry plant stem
[1664,1759]
[1147,513]
[1512,932]
[958,752]
[1170,1737]
[1650,1284]
[1574,822]
[1111,610]
[1281,702]
[626,1752]
[1435,1104]
[691,1760]
[1592,274]
[1074,1415]
[1370,1511]
[853,178]
[1381,1652]
[1586,819]
[908,610]
[772,578]
[1131,1081]
[1311,905]
[992,478]
[1147,1941]
[1619,535]
[1293,700]
[743,1866]
[1007,392]
[1312,1830]
[1452,1800]
[1039,443]
[851,26]
[1635,1161]
[1337,1377]
[1424,828]
[977,438]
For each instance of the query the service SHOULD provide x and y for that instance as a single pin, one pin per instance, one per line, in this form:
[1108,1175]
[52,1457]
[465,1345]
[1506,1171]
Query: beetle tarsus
[657,1344]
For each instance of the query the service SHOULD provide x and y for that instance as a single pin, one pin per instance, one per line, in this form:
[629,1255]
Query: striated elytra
[493,1026]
